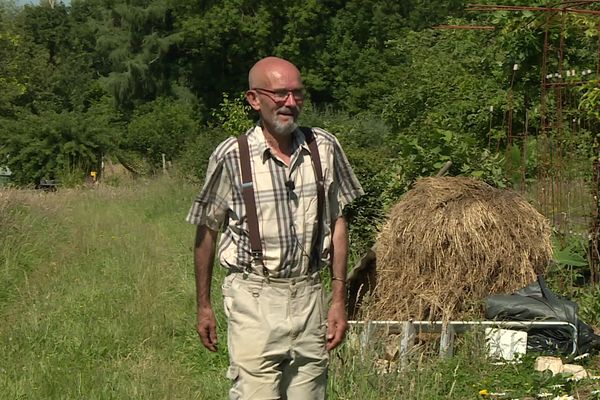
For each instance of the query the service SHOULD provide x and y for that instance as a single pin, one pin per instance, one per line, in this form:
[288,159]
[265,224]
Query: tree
[161,127]
[136,40]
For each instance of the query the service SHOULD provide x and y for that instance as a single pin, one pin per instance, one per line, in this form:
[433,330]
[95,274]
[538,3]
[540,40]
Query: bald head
[266,72]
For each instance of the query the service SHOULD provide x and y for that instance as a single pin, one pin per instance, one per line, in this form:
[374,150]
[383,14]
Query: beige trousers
[276,337]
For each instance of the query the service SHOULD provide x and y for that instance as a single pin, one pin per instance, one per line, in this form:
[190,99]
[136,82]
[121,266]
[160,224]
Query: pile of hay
[449,243]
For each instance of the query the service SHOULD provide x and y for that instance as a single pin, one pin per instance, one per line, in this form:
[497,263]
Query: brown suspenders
[250,202]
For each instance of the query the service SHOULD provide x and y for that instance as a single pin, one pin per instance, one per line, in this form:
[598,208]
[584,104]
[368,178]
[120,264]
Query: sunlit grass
[97,297]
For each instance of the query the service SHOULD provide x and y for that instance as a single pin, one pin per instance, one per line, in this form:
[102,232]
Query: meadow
[97,302]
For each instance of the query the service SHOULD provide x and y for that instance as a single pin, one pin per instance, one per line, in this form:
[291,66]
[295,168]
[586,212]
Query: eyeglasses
[280,96]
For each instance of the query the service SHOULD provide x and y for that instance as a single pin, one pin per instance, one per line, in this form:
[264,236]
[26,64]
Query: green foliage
[588,301]
[10,86]
[50,144]
[570,272]
[21,68]
[364,141]
[232,115]
[448,82]
[426,154]
[161,127]
[194,159]
[570,255]
[231,120]
[569,275]
[47,32]
[590,101]
[221,41]
[136,39]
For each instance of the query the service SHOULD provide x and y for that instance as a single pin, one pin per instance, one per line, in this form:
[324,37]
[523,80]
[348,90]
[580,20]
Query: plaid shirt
[287,213]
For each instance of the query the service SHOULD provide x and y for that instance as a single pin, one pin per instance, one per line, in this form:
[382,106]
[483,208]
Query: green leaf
[568,257]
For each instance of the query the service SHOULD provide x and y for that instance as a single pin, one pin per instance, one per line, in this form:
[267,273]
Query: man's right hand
[207,328]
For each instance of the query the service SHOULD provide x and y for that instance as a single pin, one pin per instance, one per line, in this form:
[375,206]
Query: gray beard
[284,129]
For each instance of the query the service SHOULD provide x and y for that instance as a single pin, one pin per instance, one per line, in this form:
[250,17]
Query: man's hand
[207,328]
[336,325]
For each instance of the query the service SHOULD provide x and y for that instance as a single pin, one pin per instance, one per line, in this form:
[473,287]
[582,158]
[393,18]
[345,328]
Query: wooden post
[407,340]
[365,338]
[447,341]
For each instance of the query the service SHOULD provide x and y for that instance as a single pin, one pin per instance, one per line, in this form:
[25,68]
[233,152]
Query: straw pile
[449,243]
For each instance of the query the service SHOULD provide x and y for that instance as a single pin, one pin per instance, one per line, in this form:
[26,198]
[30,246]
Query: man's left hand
[336,325]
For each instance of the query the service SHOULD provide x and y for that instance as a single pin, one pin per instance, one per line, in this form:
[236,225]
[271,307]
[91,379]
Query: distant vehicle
[48,185]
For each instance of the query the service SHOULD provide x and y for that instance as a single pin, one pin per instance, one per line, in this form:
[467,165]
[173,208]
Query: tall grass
[97,296]
[97,302]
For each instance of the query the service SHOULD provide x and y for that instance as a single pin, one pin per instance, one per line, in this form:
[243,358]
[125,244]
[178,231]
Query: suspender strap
[316,161]
[249,201]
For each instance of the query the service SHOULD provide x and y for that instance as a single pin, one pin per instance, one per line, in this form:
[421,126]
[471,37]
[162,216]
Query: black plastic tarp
[537,303]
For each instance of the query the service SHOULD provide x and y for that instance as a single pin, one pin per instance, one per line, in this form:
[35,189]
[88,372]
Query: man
[279,332]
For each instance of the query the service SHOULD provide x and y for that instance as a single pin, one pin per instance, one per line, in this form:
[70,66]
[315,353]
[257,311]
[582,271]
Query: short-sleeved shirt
[286,202]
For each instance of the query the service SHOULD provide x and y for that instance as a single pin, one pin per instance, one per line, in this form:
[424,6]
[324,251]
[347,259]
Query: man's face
[280,112]
[280,101]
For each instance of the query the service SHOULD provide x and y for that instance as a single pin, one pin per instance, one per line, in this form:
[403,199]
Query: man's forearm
[204,254]
[339,260]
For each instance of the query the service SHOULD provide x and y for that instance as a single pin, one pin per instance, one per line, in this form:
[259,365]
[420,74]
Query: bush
[193,161]
[161,127]
[50,144]
[233,120]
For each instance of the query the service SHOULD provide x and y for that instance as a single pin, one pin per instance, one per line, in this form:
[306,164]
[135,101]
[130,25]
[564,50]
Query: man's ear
[253,100]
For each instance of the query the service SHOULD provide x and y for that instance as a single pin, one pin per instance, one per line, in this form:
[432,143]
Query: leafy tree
[47,26]
[46,30]
[221,41]
[137,40]
[21,64]
[11,84]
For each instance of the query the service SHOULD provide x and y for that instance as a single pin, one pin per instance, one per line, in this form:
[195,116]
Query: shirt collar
[263,149]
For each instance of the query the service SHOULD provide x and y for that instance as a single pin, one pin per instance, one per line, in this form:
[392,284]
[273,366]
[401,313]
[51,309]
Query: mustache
[286,109]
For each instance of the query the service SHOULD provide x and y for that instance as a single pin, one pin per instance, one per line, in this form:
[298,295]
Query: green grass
[97,297]
[97,302]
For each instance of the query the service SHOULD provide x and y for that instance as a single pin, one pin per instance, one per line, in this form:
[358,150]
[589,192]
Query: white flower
[564,397]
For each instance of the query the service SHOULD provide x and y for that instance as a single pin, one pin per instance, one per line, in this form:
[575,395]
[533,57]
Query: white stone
[544,363]
[577,372]
[505,344]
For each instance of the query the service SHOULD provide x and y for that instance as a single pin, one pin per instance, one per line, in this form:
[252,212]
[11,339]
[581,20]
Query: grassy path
[97,297]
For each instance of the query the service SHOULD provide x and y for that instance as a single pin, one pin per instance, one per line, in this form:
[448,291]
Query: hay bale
[449,243]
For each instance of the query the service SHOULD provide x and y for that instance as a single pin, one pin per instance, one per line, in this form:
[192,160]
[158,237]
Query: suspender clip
[247,271]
